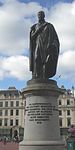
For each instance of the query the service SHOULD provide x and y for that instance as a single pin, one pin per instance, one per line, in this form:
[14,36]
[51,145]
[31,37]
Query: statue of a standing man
[44,48]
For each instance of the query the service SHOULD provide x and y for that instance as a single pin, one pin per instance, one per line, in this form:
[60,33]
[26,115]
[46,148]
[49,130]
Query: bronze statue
[44,48]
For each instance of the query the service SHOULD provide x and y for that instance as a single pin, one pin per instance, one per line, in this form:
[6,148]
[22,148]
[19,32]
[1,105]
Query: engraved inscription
[40,112]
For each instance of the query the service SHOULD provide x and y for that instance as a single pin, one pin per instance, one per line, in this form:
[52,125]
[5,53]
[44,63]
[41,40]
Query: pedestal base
[42,116]
[42,145]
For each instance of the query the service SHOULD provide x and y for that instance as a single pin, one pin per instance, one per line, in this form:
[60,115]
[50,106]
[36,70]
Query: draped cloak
[45,45]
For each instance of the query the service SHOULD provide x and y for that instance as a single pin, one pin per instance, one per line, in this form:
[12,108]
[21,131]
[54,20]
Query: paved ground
[9,146]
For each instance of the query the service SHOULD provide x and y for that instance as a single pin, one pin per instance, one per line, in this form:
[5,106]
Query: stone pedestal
[41,118]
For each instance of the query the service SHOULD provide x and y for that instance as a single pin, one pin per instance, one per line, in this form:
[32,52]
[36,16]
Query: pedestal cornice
[42,87]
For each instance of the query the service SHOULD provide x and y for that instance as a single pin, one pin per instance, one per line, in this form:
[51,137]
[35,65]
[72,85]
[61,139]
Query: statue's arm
[35,31]
[55,43]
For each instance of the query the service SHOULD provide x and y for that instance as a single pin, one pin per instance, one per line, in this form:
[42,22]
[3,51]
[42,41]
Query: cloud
[66,66]
[16,19]
[62,16]
[15,66]
[15,22]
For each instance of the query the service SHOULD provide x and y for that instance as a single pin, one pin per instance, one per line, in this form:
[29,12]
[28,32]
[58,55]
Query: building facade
[11,111]
[66,105]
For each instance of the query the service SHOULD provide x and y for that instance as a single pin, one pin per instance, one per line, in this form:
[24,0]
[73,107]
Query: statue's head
[41,15]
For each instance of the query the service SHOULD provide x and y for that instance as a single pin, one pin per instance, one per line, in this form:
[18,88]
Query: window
[11,95]
[1,104]
[16,122]
[17,103]
[6,112]
[68,102]
[59,102]
[11,112]
[4,95]
[0,112]
[0,122]
[68,121]
[25,103]
[60,112]
[17,112]
[6,104]
[60,122]
[11,104]
[11,122]
[5,122]
[68,112]
[16,95]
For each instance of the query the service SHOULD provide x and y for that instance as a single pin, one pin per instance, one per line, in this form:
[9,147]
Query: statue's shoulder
[50,24]
[33,27]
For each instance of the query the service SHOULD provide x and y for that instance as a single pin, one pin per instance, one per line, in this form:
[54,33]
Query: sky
[16,18]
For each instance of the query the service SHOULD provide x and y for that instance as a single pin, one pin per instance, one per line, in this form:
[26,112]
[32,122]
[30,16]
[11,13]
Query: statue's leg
[39,68]
[34,71]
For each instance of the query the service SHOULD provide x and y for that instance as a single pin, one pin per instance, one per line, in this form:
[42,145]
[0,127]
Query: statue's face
[41,16]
